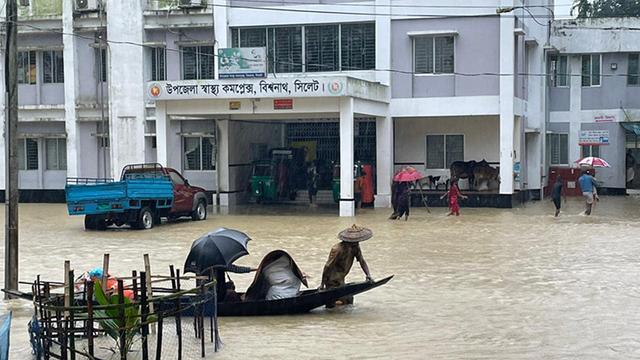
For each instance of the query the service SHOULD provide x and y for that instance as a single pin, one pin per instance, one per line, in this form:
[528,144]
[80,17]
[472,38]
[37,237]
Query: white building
[393,82]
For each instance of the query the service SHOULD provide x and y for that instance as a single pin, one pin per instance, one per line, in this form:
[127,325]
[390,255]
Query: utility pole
[11,151]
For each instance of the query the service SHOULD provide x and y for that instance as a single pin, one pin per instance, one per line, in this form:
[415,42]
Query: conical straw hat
[355,234]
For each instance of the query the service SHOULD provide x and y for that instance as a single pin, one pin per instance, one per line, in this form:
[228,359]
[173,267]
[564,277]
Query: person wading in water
[341,259]
[557,193]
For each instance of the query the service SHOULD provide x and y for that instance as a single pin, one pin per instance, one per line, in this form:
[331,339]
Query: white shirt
[283,282]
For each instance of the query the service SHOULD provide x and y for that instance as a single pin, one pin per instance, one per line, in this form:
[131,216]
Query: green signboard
[241,63]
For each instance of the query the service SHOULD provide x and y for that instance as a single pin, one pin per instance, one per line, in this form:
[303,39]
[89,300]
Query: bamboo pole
[159,337]
[70,319]
[105,272]
[144,310]
[89,292]
[147,269]
[122,321]
[178,319]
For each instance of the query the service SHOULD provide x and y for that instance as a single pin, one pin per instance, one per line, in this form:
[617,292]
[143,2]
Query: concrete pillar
[575,108]
[507,115]
[126,83]
[70,90]
[3,117]
[347,203]
[162,133]
[223,148]
[384,160]
[220,28]
[383,41]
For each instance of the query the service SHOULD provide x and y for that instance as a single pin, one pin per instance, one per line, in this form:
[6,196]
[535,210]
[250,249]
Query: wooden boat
[303,303]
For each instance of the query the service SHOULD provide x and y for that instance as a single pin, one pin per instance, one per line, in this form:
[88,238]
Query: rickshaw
[278,177]
[263,183]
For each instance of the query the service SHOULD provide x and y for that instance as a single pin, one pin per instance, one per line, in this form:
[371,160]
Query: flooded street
[491,284]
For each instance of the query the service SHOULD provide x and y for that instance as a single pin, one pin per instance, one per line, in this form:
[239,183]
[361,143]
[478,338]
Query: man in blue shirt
[588,188]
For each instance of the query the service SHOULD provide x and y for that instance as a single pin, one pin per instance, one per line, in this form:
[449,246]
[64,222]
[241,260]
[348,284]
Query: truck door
[182,199]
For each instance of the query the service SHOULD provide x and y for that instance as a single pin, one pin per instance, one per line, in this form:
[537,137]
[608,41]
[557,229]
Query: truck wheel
[200,213]
[89,222]
[145,219]
[100,223]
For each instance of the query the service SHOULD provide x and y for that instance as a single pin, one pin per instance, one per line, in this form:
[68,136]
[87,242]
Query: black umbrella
[217,249]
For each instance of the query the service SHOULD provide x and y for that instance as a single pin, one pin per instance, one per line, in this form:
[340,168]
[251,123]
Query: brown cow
[485,173]
[466,170]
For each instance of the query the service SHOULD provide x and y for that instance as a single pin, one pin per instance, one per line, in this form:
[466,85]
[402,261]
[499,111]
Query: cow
[485,174]
[467,170]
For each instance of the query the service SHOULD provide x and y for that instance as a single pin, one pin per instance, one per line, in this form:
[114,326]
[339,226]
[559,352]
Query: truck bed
[103,197]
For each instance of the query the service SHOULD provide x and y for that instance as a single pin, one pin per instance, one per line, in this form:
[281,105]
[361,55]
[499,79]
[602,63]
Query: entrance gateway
[247,113]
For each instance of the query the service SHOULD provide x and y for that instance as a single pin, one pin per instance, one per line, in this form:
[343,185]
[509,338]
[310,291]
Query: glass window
[590,150]
[321,48]
[558,149]
[443,150]
[591,70]
[434,55]
[560,69]
[358,46]
[633,70]
[197,62]
[52,67]
[56,154]
[199,153]
[285,49]
[27,67]
[158,61]
[28,154]
[326,47]
[175,178]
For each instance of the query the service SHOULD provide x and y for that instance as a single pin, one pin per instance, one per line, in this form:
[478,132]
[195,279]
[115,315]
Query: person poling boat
[341,260]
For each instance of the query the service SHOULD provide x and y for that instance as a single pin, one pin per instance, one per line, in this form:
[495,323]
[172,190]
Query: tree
[605,8]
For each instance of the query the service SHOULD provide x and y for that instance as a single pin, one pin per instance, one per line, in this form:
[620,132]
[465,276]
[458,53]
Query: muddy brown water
[491,284]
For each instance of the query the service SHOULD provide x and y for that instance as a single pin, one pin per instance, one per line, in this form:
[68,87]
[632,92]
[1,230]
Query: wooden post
[48,324]
[159,336]
[178,320]
[215,317]
[201,320]
[89,291]
[134,281]
[122,322]
[67,302]
[147,269]
[105,272]
[11,145]
[144,311]
[70,319]
[61,335]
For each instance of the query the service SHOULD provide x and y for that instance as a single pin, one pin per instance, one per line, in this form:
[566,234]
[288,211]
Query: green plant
[110,318]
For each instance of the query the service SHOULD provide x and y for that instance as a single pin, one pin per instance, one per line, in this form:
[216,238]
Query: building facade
[381,81]
[594,97]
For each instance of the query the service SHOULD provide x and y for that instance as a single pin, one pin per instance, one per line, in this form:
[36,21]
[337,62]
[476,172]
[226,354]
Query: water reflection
[489,284]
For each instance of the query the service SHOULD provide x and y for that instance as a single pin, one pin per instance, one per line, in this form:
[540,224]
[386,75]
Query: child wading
[453,194]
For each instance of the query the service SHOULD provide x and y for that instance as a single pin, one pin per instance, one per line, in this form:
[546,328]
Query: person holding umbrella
[403,180]
[588,184]
[214,253]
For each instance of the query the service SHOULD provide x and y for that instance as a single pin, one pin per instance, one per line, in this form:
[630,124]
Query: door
[182,199]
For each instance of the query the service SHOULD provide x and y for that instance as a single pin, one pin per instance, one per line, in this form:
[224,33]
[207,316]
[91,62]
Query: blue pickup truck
[144,194]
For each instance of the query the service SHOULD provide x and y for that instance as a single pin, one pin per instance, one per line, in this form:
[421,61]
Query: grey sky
[563,8]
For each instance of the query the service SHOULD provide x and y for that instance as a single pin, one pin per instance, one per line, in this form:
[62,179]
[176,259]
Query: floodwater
[490,284]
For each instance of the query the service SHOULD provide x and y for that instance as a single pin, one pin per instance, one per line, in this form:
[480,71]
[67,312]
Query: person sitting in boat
[221,282]
[341,259]
[278,277]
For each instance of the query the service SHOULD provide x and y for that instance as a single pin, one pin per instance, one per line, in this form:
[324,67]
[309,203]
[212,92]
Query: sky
[563,8]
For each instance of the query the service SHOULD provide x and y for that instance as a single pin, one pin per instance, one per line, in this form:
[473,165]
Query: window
[434,55]
[101,63]
[590,150]
[560,70]
[591,70]
[158,68]
[443,150]
[197,62]
[321,48]
[326,47]
[27,67]
[558,149]
[358,46]
[633,70]
[52,67]
[175,178]
[56,152]
[28,154]
[199,153]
